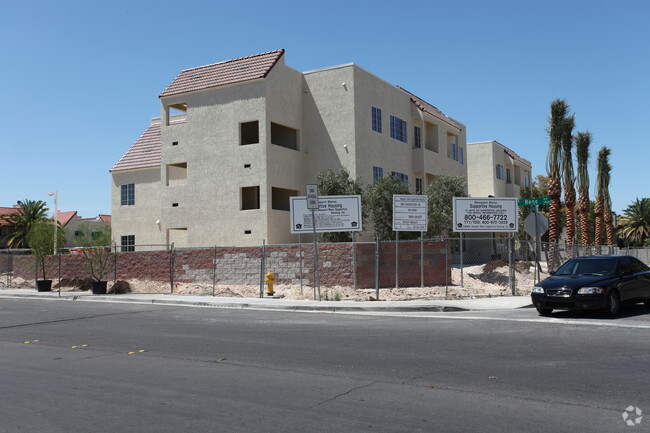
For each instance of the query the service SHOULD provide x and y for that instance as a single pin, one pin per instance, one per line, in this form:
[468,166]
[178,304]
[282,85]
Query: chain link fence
[440,268]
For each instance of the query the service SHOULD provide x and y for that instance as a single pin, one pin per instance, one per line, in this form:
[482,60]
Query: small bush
[120,287]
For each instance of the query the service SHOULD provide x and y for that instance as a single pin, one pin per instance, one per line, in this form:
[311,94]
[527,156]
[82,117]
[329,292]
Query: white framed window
[401,176]
[127,243]
[377,173]
[419,186]
[398,129]
[499,171]
[127,194]
[376,119]
[417,136]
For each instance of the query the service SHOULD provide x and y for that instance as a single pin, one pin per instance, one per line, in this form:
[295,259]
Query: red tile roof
[512,154]
[428,108]
[7,211]
[223,73]
[145,152]
[105,218]
[65,217]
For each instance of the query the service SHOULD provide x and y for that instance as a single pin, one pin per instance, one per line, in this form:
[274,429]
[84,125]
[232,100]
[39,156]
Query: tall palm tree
[635,223]
[568,178]
[608,218]
[559,110]
[583,141]
[602,192]
[31,212]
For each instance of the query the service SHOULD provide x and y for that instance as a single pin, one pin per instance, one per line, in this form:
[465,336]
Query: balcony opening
[284,136]
[177,174]
[431,136]
[280,198]
[249,132]
[175,112]
[250,197]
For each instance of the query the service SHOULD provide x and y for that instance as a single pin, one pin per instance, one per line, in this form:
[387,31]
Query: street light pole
[56,216]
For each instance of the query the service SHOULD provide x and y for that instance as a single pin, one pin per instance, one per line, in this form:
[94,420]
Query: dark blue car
[594,282]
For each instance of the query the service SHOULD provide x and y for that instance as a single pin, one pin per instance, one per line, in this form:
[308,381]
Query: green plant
[41,240]
[96,250]
[30,213]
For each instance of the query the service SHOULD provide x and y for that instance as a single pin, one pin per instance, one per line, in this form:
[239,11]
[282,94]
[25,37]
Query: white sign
[488,214]
[337,213]
[312,196]
[410,213]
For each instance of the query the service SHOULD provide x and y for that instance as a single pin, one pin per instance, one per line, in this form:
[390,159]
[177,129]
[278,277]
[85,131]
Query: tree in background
[634,228]
[568,178]
[602,192]
[559,111]
[331,182]
[583,141]
[441,191]
[41,240]
[379,199]
[30,213]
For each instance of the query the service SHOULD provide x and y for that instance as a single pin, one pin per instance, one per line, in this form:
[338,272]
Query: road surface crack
[344,393]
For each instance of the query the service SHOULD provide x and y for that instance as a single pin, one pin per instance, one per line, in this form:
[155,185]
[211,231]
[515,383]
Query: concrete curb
[284,305]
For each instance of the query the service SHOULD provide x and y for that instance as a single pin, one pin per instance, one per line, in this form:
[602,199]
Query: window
[499,171]
[377,173]
[452,147]
[127,243]
[284,136]
[376,119]
[280,198]
[128,194]
[250,197]
[418,185]
[508,177]
[398,129]
[417,137]
[461,157]
[177,174]
[526,180]
[249,132]
[401,176]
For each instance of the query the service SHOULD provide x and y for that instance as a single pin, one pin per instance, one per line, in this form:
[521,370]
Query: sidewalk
[268,303]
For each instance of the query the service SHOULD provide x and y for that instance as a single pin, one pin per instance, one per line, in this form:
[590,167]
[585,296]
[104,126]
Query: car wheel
[613,304]
[544,311]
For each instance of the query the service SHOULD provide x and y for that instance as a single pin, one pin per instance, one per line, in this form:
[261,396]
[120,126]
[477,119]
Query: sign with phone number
[485,214]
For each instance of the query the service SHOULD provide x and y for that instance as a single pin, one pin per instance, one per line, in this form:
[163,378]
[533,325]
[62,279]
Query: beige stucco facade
[218,185]
[495,170]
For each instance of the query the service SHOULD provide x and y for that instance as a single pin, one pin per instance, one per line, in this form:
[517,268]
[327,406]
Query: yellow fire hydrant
[270,280]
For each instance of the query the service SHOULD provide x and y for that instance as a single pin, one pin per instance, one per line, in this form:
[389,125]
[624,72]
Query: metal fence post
[462,283]
[377,270]
[397,259]
[114,263]
[262,268]
[214,270]
[171,267]
[447,269]
[300,260]
[59,273]
[422,260]
[511,271]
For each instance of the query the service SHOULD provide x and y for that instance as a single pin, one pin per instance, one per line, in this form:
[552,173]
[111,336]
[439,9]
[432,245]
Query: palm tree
[602,192]
[583,141]
[31,212]
[635,223]
[559,110]
[569,178]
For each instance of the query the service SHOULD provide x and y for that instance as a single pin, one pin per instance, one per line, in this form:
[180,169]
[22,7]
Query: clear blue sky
[81,79]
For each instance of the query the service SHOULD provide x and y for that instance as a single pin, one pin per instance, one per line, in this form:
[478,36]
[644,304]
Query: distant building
[237,139]
[494,170]
[76,227]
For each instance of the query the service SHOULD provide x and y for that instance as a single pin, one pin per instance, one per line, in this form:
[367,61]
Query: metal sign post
[312,204]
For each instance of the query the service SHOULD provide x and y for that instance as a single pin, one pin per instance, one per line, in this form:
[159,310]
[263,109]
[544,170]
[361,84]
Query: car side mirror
[552,273]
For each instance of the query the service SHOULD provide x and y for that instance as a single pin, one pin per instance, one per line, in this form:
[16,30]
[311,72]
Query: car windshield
[605,267]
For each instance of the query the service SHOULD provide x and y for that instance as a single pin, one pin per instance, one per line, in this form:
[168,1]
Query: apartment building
[236,139]
[495,170]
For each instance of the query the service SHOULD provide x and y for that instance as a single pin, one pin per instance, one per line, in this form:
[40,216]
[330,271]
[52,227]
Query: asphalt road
[98,367]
